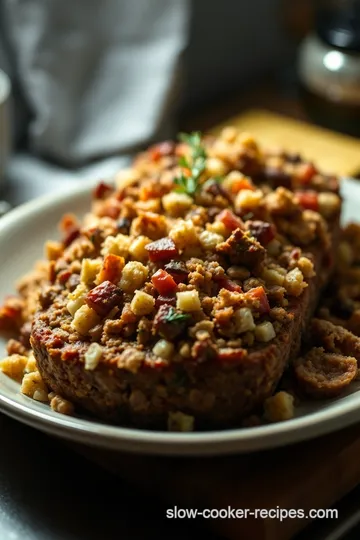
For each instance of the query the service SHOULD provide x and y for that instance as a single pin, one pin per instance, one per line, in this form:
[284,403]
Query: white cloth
[96,80]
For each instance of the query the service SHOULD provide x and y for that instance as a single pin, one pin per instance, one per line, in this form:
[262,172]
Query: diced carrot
[111,268]
[230,220]
[164,283]
[259,295]
[242,183]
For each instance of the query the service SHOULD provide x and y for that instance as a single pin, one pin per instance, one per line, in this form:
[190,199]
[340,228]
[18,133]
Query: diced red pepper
[306,173]
[164,283]
[228,355]
[259,294]
[229,285]
[161,250]
[309,200]
[230,220]
[104,298]
[102,190]
[111,268]
[242,183]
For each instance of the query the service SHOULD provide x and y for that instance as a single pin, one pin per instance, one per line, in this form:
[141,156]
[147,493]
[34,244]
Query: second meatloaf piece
[187,296]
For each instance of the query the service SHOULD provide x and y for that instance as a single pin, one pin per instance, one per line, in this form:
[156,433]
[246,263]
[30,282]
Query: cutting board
[334,153]
[313,474]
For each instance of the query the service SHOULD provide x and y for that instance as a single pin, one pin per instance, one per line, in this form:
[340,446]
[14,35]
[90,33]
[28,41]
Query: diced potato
[53,250]
[33,386]
[247,140]
[273,247]
[215,167]
[232,178]
[76,299]
[264,332]
[163,348]
[229,134]
[210,240]
[176,204]
[329,204]
[306,266]
[137,248]
[93,356]
[133,276]
[126,177]
[85,318]
[218,227]
[118,245]
[61,405]
[244,320]
[89,270]
[294,282]
[31,363]
[279,407]
[272,276]
[183,233]
[247,199]
[178,421]
[188,301]
[14,366]
[142,303]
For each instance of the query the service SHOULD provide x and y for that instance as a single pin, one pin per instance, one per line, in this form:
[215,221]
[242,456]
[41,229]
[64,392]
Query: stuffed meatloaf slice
[187,296]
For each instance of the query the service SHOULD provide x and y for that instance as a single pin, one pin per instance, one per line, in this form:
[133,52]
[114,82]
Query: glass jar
[329,69]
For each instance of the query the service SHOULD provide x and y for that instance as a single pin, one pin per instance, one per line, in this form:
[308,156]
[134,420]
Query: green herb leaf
[190,184]
[175,316]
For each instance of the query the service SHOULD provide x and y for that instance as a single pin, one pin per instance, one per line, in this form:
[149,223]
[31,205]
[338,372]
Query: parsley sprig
[191,182]
[174,316]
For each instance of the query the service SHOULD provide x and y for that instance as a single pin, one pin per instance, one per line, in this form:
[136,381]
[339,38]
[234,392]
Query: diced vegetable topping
[229,285]
[309,200]
[259,294]
[178,271]
[103,298]
[102,190]
[111,268]
[306,173]
[170,322]
[242,183]
[164,283]
[162,250]
[230,220]
[261,230]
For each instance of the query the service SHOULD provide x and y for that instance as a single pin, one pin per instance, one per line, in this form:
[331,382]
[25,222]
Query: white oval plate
[22,235]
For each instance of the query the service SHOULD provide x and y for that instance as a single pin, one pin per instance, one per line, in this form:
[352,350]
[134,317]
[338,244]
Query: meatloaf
[188,285]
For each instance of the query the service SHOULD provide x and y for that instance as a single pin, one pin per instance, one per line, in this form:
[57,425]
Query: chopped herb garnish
[174,316]
[189,180]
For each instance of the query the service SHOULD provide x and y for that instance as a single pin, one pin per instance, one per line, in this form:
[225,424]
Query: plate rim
[119,438]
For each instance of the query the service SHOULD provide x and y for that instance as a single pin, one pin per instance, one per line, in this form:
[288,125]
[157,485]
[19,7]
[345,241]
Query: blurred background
[95,81]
